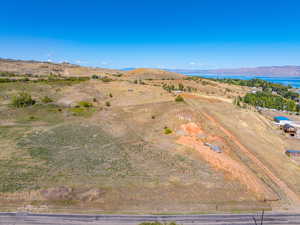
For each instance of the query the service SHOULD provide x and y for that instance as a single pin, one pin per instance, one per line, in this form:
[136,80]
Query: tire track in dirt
[293,198]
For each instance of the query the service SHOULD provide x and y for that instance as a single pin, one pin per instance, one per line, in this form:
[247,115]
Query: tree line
[268,100]
[271,95]
[266,86]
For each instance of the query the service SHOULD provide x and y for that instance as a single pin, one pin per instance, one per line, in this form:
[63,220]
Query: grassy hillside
[117,145]
[144,73]
[35,68]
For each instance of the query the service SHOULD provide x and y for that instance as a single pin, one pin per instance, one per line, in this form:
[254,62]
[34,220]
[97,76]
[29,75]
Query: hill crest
[148,73]
[46,68]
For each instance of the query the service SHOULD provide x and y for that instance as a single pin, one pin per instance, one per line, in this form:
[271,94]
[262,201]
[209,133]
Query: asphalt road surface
[69,219]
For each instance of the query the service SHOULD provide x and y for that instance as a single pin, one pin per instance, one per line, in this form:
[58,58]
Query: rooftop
[281,118]
[293,151]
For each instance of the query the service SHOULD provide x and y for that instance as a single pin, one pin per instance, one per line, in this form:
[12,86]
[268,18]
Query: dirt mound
[144,73]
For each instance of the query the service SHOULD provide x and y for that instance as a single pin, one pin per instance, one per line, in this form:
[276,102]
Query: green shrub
[106,79]
[227,90]
[32,118]
[142,82]
[85,104]
[168,130]
[78,111]
[117,74]
[107,104]
[179,98]
[205,82]
[22,100]
[180,87]
[46,100]
[110,95]
[95,76]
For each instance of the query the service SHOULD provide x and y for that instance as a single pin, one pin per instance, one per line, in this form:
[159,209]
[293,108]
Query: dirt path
[292,196]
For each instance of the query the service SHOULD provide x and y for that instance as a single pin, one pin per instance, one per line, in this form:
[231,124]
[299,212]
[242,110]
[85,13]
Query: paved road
[228,219]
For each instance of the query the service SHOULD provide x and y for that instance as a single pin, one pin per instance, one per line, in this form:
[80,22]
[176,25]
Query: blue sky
[192,34]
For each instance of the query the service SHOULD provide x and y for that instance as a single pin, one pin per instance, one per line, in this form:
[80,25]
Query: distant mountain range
[45,68]
[67,69]
[288,71]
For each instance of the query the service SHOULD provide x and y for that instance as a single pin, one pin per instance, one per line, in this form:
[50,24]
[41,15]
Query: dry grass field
[126,146]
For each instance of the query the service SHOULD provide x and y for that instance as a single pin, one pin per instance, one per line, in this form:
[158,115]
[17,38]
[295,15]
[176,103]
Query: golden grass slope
[46,68]
[146,73]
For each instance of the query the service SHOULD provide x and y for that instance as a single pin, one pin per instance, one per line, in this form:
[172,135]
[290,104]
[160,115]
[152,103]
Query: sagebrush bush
[95,76]
[46,100]
[106,79]
[22,100]
[168,130]
[179,98]
[85,104]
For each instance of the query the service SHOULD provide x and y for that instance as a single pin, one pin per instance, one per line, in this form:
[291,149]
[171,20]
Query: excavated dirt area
[221,161]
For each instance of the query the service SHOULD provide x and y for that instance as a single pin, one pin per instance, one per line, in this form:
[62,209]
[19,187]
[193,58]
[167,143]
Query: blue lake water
[293,81]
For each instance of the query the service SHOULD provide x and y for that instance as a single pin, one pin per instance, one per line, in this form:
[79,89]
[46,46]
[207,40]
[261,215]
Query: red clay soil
[292,196]
[192,129]
[221,161]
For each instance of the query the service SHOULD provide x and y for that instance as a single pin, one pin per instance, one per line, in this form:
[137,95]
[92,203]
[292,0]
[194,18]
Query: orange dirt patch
[221,161]
[192,129]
